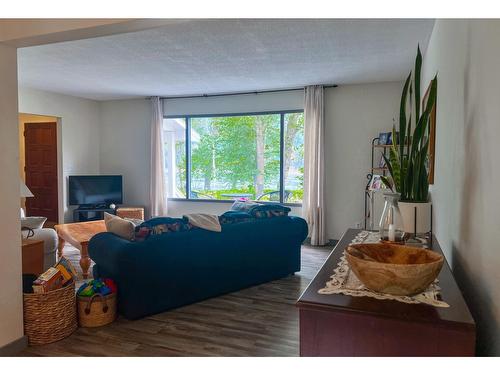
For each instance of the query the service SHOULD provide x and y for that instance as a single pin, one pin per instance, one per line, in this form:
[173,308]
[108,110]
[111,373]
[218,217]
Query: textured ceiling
[190,57]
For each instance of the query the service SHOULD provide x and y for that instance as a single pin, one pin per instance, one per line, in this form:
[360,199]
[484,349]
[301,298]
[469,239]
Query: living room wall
[79,128]
[354,114]
[465,194]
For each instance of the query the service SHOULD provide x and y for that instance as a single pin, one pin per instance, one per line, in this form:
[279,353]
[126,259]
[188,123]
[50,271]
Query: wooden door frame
[60,175]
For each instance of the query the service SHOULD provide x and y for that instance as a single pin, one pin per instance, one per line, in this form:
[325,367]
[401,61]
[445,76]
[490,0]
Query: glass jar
[391,221]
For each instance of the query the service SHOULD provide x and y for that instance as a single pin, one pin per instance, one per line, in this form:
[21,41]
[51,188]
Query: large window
[224,157]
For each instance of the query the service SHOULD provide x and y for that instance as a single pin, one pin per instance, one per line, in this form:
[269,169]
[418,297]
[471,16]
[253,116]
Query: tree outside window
[236,156]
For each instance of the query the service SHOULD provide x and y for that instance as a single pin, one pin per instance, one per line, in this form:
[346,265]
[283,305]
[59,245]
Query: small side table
[130,212]
[32,255]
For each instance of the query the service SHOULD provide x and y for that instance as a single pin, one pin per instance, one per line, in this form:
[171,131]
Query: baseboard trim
[14,347]
[330,243]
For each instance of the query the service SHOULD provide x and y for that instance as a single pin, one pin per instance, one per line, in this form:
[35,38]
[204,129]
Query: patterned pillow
[244,206]
[231,217]
[269,210]
[160,225]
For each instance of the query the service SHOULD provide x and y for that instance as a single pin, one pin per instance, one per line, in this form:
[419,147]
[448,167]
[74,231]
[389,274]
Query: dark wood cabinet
[340,325]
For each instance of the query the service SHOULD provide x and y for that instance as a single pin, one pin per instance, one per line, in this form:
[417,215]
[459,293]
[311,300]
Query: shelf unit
[384,171]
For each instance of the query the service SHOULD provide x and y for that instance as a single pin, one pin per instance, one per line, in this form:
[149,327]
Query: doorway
[39,165]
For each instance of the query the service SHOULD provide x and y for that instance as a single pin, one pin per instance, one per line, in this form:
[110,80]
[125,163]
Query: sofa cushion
[230,217]
[260,210]
[269,210]
[121,227]
[33,222]
[244,206]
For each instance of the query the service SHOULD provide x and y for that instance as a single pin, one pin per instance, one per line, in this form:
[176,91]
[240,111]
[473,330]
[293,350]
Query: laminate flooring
[257,321]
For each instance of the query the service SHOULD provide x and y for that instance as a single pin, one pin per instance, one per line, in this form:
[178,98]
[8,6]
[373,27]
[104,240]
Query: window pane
[235,156]
[174,137]
[293,168]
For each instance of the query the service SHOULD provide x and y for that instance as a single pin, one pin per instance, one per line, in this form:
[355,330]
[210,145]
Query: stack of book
[55,277]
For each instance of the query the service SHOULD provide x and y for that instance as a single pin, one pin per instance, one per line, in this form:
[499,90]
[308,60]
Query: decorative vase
[419,211]
[391,221]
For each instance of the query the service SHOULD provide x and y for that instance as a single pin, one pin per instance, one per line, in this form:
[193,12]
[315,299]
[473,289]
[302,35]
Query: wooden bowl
[394,269]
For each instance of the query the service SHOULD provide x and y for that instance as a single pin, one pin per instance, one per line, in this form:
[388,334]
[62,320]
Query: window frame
[187,119]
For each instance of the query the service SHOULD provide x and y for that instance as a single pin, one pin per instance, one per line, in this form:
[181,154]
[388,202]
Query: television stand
[90,213]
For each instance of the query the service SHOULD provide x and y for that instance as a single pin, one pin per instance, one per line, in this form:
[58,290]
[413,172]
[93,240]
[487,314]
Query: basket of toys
[50,308]
[96,302]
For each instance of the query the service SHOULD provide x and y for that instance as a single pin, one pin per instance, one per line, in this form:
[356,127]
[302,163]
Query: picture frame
[432,135]
[376,183]
[383,138]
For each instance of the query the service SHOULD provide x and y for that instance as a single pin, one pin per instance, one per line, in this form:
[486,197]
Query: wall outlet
[357,225]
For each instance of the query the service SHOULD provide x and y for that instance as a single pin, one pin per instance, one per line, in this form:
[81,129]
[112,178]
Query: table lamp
[24,192]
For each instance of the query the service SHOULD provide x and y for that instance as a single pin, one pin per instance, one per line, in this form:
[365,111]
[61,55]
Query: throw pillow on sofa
[230,217]
[269,210]
[159,225]
[121,227]
[244,206]
[260,210]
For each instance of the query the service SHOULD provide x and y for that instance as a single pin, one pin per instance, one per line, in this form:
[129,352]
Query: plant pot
[423,216]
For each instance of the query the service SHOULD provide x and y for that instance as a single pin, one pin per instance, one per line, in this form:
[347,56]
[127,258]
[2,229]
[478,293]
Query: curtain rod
[235,93]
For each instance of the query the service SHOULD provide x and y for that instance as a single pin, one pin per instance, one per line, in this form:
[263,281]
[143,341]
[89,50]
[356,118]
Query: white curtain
[157,194]
[313,208]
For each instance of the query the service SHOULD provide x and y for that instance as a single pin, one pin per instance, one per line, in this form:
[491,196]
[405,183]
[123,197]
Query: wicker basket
[97,310]
[50,316]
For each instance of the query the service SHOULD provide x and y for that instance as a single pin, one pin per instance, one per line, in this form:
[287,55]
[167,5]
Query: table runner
[343,281]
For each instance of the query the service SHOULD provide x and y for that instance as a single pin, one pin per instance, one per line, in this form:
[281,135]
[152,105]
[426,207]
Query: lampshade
[24,191]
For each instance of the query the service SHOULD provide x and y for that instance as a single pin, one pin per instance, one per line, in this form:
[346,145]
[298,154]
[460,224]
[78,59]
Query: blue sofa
[175,269]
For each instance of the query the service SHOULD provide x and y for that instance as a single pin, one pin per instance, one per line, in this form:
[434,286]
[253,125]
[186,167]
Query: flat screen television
[95,190]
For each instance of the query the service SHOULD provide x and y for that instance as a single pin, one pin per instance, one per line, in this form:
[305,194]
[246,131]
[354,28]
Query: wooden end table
[79,235]
[32,255]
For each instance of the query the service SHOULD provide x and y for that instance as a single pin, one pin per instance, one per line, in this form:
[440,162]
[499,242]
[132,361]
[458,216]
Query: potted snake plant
[408,157]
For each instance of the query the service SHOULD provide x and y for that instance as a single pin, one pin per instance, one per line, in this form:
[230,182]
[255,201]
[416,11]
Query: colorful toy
[101,286]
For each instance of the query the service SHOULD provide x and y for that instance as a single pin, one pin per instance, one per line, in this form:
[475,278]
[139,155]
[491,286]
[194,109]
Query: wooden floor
[258,321]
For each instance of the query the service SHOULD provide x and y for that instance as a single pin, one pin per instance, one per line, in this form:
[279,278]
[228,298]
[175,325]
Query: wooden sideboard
[130,212]
[340,325]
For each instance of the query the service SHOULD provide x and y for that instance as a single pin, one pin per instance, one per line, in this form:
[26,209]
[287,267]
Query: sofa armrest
[109,251]
[302,224]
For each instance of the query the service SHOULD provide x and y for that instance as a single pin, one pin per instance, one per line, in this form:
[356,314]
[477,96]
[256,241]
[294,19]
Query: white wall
[465,194]
[79,128]
[11,303]
[125,147]
[354,115]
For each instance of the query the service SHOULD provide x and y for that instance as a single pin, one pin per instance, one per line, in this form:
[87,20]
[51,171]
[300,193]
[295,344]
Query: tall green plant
[408,156]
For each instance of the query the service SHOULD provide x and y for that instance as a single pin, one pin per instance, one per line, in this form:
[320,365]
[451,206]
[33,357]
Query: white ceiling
[189,57]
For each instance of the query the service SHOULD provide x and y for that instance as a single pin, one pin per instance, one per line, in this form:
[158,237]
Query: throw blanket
[204,221]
